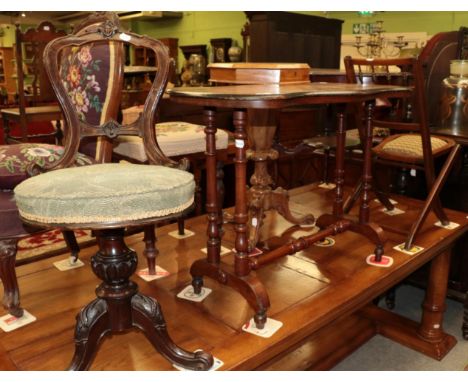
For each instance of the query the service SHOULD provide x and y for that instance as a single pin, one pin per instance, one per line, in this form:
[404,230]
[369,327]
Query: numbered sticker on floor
[270,328]
[217,363]
[327,186]
[412,251]
[224,251]
[160,273]
[68,264]
[9,323]
[451,225]
[395,211]
[327,242]
[187,233]
[385,262]
[188,294]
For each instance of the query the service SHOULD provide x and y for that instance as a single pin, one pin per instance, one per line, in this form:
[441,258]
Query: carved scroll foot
[11,299]
[369,230]
[250,287]
[148,317]
[92,323]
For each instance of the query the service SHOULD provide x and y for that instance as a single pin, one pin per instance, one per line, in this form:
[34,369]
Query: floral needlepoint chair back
[17,160]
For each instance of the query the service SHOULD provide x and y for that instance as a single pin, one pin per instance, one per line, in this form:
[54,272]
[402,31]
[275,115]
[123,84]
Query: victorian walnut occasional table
[265,97]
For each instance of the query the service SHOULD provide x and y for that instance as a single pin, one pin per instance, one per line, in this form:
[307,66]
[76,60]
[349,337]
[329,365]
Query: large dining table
[245,100]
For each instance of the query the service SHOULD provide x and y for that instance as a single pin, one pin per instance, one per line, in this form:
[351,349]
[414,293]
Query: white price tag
[239,143]
[125,37]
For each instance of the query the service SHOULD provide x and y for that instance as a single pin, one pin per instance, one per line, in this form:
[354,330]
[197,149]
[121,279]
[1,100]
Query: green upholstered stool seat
[104,193]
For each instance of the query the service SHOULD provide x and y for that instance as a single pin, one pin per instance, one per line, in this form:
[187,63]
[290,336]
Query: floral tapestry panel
[85,73]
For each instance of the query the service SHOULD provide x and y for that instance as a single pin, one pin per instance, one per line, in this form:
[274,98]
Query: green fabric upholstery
[107,193]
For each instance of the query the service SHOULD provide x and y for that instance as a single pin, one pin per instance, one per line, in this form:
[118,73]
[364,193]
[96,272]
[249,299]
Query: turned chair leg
[181,226]
[11,300]
[150,251]
[72,244]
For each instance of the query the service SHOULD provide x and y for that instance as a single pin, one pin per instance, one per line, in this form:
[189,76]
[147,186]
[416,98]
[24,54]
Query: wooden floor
[317,295]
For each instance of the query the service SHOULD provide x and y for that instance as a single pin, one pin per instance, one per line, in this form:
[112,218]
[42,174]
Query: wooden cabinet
[293,37]
[145,57]
[6,71]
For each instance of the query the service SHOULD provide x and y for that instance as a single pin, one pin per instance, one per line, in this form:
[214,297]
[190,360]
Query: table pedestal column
[261,128]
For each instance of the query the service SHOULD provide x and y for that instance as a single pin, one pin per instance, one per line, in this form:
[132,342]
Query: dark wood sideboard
[293,37]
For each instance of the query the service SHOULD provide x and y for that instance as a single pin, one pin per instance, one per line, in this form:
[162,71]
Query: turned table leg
[119,307]
[213,245]
[11,300]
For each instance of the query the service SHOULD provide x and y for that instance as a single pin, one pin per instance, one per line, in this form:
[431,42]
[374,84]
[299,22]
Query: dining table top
[283,95]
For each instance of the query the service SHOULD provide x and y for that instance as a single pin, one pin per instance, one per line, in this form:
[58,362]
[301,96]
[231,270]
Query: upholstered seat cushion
[15,159]
[174,138]
[409,147]
[104,193]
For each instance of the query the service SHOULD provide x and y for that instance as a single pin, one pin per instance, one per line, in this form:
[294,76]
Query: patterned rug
[48,244]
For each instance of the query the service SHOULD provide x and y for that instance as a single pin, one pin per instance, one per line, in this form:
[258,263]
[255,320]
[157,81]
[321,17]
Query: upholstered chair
[109,197]
[17,160]
[410,143]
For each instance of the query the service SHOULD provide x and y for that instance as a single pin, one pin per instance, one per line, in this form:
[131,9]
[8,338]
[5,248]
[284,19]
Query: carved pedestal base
[120,307]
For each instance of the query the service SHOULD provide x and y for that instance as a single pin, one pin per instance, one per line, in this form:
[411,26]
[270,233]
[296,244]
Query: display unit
[293,37]
[6,75]
[220,47]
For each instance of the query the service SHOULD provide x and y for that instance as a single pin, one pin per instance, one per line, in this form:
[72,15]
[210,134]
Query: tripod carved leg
[11,300]
[148,317]
[92,323]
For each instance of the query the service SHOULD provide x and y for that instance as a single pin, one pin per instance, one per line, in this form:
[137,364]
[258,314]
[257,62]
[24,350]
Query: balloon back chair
[16,161]
[409,143]
[109,197]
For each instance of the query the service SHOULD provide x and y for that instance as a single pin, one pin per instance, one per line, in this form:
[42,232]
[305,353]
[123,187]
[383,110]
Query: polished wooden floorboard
[317,287]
